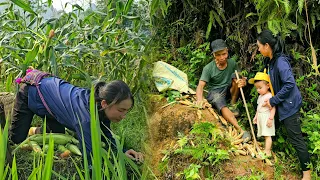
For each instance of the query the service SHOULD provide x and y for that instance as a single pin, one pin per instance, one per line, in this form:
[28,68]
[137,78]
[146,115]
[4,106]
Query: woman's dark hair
[113,92]
[276,43]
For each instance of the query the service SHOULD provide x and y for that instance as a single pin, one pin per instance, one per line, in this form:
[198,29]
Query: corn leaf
[31,55]
[24,6]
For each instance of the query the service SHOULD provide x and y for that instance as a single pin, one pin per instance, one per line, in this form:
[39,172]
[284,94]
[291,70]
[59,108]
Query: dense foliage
[184,36]
[122,38]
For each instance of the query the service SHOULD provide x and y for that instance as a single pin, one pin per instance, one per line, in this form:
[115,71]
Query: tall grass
[3,151]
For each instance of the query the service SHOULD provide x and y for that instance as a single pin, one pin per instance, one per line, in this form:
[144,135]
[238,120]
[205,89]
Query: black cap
[218,45]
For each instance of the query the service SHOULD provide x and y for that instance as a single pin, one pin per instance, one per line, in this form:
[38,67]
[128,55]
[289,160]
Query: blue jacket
[70,106]
[287,97]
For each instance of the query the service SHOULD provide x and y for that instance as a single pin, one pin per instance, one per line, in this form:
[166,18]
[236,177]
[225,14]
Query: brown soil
[167,122]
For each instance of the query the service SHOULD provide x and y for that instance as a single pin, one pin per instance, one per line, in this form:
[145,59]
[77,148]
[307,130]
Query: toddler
[264,117]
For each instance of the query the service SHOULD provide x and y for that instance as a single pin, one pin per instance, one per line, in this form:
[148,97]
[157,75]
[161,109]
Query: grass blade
[14,171]
[3,150]
[95,137]
[49,160]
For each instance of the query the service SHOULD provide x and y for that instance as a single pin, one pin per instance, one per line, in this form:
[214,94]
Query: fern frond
[287,6]
[272,27]
[290,25]
[277,25]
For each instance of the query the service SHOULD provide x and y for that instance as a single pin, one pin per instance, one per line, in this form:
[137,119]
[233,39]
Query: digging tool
[245,105]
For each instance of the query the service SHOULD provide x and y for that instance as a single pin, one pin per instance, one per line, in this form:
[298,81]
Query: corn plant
[80,46]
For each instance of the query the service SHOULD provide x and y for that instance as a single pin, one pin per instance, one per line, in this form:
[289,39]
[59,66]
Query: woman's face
[117,112]
[264,49]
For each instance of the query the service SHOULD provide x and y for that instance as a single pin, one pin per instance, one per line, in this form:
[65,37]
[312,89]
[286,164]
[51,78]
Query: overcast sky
[59,4]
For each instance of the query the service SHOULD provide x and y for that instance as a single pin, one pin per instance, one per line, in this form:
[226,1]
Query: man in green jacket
[220,77]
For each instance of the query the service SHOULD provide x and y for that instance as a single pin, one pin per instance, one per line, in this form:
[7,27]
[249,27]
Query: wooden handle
[249,118]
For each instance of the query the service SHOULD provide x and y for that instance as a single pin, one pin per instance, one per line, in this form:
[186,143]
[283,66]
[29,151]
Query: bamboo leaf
[211,19]
[217,18]
[23,5]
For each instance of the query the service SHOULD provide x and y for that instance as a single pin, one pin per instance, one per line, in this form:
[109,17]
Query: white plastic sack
[169,77]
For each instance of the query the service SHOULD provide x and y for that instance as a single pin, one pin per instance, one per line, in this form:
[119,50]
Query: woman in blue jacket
[287,96]
[65,105]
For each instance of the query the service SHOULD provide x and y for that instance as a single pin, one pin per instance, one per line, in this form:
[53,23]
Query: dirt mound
[169,123]
[6,105]
[165,125]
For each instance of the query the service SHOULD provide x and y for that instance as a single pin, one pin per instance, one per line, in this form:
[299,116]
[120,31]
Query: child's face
[262,87]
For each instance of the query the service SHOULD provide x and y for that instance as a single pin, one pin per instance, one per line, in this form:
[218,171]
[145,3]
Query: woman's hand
[267,103]
[269,123]
[132,154]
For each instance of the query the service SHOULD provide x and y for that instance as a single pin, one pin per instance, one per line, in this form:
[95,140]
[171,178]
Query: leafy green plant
[192,172]
[255,175]
[203,144]
[311,126]
[78,48]
[203,148]
[191,60]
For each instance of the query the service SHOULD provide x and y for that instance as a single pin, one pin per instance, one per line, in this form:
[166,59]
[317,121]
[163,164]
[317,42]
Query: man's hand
[200,103]
[267,103]
[242,82]
[132,154]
